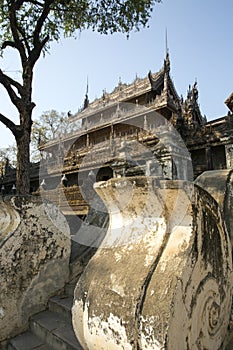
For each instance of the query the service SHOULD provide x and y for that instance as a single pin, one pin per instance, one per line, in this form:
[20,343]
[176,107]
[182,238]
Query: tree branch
[36,3]
[13,82]
[14,28]
[8,43]
[7,82]
[35,54]
[15,129]
[21,31]
[41,21]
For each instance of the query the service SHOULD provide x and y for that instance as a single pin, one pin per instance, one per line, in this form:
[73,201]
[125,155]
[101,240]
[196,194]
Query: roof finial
[167,60]
[166,45]
[87,87]
[86,101]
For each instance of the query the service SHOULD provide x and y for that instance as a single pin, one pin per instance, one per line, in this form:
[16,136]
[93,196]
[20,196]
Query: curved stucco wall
[34,257]
[162,276]
[9,219]
[219,183]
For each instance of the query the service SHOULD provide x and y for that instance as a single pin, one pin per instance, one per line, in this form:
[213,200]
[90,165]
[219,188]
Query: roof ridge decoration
[229,102]
[123,92]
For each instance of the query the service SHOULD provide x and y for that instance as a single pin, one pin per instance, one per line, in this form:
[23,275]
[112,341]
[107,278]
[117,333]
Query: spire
[87,87]
[167,59]
[86,100]
[166,45]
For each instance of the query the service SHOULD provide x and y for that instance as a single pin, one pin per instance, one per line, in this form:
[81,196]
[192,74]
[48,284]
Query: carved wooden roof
[157,82]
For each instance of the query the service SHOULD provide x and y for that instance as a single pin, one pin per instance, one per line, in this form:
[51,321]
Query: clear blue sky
[200,47]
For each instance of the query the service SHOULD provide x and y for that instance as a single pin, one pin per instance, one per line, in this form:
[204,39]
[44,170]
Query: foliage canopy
[24,24]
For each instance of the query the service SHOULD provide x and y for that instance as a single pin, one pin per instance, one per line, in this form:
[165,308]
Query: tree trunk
[23,163]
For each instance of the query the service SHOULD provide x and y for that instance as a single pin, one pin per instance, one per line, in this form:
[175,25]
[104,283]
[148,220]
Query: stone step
[61,305]
[27,341]
[53,329]
[50,329]
[69,289]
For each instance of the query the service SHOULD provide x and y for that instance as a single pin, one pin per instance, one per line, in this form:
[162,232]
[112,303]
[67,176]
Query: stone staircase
[50,329]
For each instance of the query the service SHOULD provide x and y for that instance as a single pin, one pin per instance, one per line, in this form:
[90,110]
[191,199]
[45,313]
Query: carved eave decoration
[229,102]
[163,87]
[190,109]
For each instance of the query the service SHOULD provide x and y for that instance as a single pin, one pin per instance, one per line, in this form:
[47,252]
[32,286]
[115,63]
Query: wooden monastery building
[142,128]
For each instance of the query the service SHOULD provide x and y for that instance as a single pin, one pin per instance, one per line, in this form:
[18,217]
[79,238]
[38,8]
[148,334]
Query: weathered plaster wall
[162,276]
[9,219]
[219,183]
[34,259]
